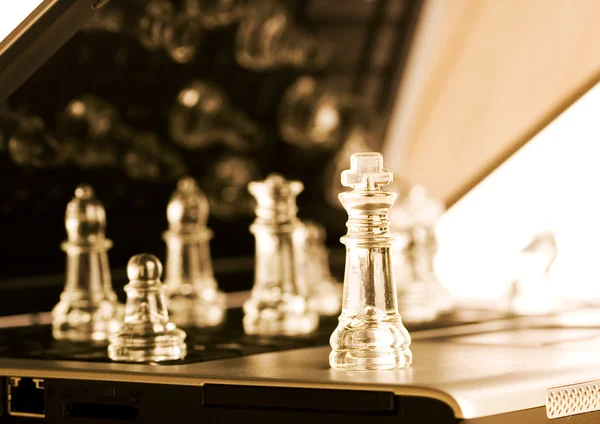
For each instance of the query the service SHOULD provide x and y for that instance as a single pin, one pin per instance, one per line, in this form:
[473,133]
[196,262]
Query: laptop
[473,366]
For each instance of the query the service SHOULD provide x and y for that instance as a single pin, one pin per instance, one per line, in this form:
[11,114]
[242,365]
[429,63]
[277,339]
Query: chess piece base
[365,342]
[205,310]
[85,321]
[367,360]
[288,318]
[132,347]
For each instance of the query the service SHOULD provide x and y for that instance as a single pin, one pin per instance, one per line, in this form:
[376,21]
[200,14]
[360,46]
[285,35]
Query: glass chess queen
[370,334]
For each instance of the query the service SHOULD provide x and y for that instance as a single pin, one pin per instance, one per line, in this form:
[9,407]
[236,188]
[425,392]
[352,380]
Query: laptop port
[25,397]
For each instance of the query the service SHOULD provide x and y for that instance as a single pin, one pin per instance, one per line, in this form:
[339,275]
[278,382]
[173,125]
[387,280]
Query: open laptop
[473,370]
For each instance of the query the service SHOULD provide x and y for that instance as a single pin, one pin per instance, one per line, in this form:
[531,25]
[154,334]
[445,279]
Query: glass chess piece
[415,218]
[146,335]
[88,309]
[194,297]
[314,115]
[324,294]
[202,116]
[94,135]
[267,38]
[277,303]
[31,144]
[530,292]
[216,13]
[370,334]
[226,185]
[156,24]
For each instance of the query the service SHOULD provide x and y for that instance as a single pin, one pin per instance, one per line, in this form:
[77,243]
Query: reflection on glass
[530,292]
[226,183]
[216,13]
[155,23]
[323,292]
[202,116]
[91,130]
[313,115]
[267,38]
[30,144]
[421,296]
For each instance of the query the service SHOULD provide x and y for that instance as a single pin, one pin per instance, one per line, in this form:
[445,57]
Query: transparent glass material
[30,143]
[202,116]
[92,134]
[146,335]
[362,135]
[313,115]
[194,297]
[530,292]
[88,309]
[267,38]
[226,185]
[370,334]
[421,295]
[156,24]
[323,292]
[216,13]
[277,304]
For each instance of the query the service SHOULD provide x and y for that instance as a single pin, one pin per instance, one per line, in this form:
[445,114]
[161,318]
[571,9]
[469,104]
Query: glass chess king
[370,334]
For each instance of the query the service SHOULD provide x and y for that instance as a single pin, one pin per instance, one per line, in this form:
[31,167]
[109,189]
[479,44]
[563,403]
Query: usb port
[25,397]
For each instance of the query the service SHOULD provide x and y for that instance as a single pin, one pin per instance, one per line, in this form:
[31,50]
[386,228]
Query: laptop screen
[548,186]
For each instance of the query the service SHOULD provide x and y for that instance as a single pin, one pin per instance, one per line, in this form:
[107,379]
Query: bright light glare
[549,184]
[12,13]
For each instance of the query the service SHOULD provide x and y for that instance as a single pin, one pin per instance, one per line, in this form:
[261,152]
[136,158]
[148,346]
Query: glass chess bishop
[88,309]
[370,334]
[194,297]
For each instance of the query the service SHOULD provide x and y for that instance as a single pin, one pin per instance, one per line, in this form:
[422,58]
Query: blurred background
[227,91]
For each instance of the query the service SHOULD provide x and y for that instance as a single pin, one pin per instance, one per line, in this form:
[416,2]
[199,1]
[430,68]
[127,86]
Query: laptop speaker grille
[571,400]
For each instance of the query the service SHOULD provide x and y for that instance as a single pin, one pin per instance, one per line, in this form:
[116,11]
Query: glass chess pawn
[370,334]
[156,24]
[88,309]
[216,13]
[277,304]
[194,297]
[202,116]
[267,38]
[530,292]
[324,294]
[146,335]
